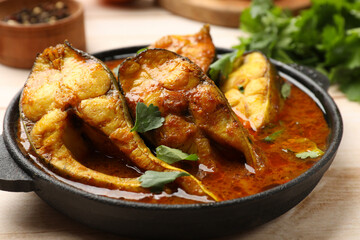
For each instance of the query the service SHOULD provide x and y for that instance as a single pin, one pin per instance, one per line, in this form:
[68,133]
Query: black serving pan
[195,221]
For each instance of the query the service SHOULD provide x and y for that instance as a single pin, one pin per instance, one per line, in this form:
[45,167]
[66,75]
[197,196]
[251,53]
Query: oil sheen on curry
[162,131]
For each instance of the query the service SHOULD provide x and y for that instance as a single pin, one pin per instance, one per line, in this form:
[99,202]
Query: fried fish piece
[65,81]
[194,109]
[253,90]
[198,47]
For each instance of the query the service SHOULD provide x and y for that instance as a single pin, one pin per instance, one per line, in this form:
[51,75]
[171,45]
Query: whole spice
[47,12]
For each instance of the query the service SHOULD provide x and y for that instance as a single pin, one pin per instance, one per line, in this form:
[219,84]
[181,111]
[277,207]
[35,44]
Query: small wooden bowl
[19,44]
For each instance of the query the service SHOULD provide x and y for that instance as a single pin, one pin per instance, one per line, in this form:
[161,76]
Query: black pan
[196,221]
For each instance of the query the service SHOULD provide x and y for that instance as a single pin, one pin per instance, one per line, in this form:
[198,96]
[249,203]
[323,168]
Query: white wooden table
[331,211]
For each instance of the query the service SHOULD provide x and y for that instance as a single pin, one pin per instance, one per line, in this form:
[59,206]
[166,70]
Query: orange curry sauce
[300,117]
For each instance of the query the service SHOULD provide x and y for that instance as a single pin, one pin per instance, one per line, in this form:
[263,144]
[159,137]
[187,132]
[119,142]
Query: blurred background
[331,212]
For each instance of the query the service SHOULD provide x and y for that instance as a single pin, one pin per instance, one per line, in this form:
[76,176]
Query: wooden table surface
[331,211]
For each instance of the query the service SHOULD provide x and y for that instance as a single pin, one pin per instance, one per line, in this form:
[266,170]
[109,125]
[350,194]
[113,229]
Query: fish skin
[198,47]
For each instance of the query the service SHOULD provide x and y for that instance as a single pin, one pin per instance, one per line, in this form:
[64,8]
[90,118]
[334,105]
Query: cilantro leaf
[141,50]
[157,180]
[259,7]
[303,148]
[147,118]
[172,155]
[314,153]
[325,37]
[241,88]
[285,90]
[273,136]
[224,66]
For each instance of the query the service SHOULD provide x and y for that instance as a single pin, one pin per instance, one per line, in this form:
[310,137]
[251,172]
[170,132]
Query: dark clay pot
[195,221]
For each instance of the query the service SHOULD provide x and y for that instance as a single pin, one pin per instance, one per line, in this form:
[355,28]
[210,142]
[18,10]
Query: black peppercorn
[48,12]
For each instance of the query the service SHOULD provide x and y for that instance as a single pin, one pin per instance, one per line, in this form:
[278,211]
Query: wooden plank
[221,12]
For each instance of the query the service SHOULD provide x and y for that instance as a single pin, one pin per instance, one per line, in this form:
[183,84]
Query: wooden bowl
[19,44]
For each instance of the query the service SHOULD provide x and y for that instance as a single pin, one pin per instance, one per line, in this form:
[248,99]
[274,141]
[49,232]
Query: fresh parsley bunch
[325,37]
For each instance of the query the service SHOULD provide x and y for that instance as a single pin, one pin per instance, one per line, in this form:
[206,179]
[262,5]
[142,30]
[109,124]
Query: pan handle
[315,75]
[12,177]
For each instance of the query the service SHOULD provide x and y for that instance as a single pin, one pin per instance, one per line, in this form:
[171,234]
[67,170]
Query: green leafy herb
[241,88]
[141,50]
[303,148]
[273,136]
[157,180]
[224,66]
[147,118]
[172,155]
[314,153]
[326,37]
[285,90]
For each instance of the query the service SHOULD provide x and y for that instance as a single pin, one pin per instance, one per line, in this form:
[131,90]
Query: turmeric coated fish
[67,82]
[198,47]
[195,110]
[253,90]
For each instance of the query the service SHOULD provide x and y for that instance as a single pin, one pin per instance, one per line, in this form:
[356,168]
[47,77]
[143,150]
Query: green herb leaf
[157,180]
[314,153]
[172,155]
[224,66]
[325,37]
[259,7]
[273,136]
[303,148]
[241,88]
[285,90]
[141,50]
[147,118]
